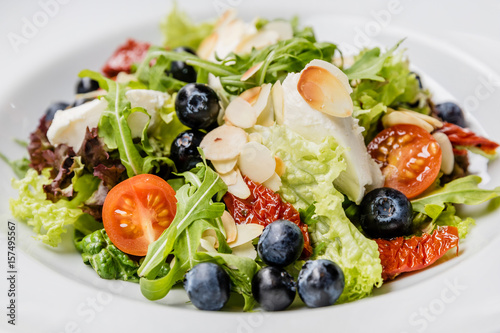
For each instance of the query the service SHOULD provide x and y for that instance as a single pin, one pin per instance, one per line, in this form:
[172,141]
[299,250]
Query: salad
[248,158]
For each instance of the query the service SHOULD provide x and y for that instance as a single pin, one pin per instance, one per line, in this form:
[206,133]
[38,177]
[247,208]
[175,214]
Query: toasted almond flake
[447,157]
[223,143]
[246,233]
[283,28]
[239,189]
[263,99]
[251,71]
[230,177]
[257,40]
[240,113]
[245,250]
[273,183]
[324,92]
[256,162]
[334,70]
[211,236]
[280,166]
[228,15]
[225,166]
[398,117]
[251,95]
[229,227]
[278,102]
[431,120]
[207,46]
[207,244]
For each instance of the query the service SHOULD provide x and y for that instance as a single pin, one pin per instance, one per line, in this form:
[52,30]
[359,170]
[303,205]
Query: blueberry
[208,286]
[86,85]
[320,283]
[53,108]
[419,80]
[184,150]
[81,101]
[281,243]
[451,113]
[197,106]
[386,213]
[273,288]
[182,71]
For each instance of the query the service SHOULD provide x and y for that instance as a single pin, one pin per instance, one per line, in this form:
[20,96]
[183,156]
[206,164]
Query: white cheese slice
[151,101]
[314,125]
[68,126]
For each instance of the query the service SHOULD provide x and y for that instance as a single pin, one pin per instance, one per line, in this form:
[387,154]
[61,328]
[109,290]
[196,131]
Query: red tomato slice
[136,211]
[125,56]
[399,255]
[409,156]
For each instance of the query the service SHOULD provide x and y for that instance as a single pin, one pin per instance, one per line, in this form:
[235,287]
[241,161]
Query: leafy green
[49,220]
[369,64]
[310,171]
[193,203]
[114,129]
[19,167]
[179,30]
[105,258]
[448,217]
[277,61]
[459,191]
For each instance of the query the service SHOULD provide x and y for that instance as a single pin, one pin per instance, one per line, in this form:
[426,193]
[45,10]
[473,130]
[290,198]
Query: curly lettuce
[48,219]
[310,171]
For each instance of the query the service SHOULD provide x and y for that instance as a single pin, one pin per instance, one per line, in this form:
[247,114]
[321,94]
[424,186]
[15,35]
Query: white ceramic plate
[455,47]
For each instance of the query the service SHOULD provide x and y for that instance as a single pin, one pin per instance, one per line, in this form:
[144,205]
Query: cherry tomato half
[410,158]
[136,211]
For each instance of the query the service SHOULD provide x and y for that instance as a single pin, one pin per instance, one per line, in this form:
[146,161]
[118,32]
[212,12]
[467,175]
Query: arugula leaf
[19,167]
[460,191]
[115,132]
[105,258]
[370,64]
[193,203]
[179,30]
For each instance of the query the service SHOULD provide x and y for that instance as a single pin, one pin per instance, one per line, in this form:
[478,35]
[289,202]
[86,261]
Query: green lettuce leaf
[105,258]
[179,30]
[459,191]
[310,171]
[194,202]
[115,132]
[19,167]
[49,220]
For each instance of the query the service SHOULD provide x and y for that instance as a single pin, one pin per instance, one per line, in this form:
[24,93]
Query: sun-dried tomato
[399,255]
[263,207]
[466,138]
[125,56]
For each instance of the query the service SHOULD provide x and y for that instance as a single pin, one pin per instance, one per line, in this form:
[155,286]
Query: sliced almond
[207,46]
[278,102]
[229,178]
[256,162]
[246,233]
[251,95]
[263,99]
[207,244]
[398,117]
[258,40]
[239,189]
[245,250]
[223,143]
[447,157]
[229,227]
[334,70]
[211,236]
[324,92]
[431,120]
[225,166]
[240,113]
[251,71]
[280,166]
[273,183]
[283,28]
[255,137]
